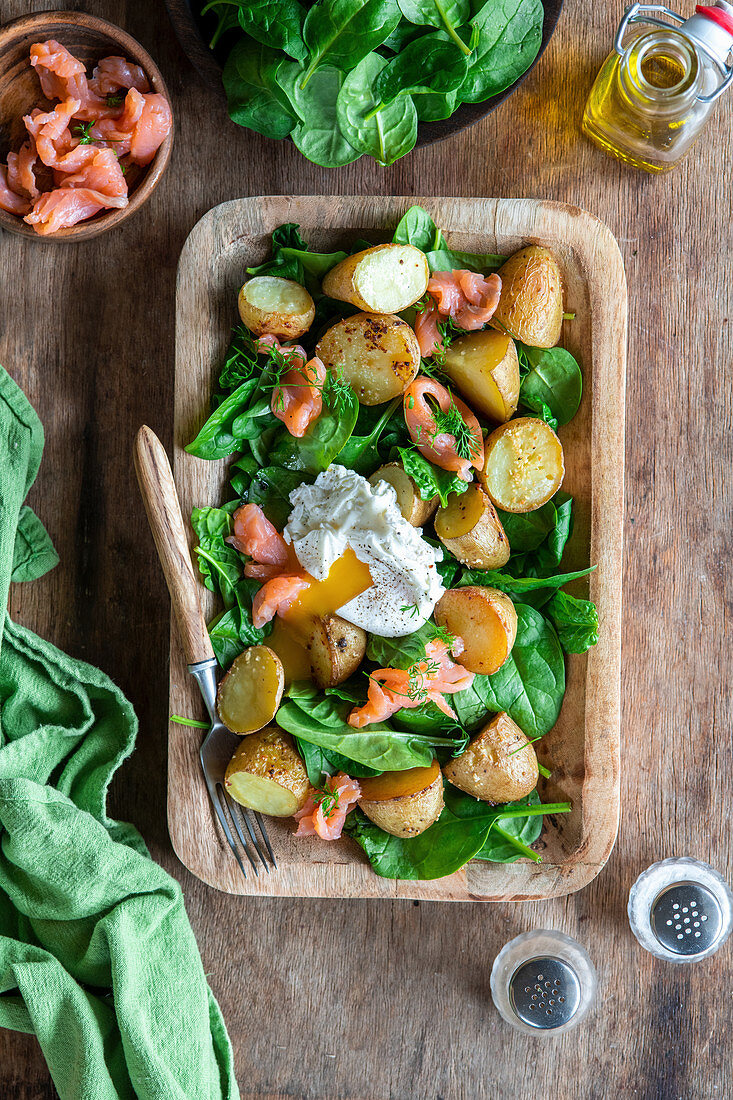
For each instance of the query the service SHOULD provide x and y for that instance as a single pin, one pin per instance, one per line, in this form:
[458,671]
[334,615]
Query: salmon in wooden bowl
[407,509]
[86,127]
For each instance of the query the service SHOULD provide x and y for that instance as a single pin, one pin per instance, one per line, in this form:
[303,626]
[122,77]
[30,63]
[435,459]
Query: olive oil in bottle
[654,93]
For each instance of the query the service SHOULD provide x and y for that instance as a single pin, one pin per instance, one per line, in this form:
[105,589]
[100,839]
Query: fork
[166,522]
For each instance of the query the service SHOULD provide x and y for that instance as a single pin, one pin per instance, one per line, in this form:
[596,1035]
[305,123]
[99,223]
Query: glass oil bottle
[655,91]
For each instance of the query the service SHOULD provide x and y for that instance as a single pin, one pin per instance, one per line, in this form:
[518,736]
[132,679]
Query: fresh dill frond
[451,422]
[82,131]
[114,99]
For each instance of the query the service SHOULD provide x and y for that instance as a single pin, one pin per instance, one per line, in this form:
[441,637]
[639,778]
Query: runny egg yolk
[347,578]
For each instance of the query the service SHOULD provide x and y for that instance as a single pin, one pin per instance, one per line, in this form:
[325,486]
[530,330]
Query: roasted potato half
[250,693]
[385,279]
[414,509]
[266,774]
[530,308]
[470,529]
[404,803]
[336,649]
[278,306]
[524,465]
[485,369]
[485,621]
[376,353]
[499,764]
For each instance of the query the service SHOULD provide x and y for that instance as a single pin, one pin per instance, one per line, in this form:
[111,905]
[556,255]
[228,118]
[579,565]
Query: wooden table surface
[375,999]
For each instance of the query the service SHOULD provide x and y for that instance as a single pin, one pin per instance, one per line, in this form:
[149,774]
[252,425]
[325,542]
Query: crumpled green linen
[97,957]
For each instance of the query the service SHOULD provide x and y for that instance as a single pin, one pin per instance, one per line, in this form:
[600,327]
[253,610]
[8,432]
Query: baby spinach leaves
[216,439]
[431,480]
[320,763]
[417,228]
[306,74]
[575,620]
[553,386]
[401,652]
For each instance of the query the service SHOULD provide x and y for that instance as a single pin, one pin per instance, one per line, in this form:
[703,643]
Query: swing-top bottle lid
[712,28]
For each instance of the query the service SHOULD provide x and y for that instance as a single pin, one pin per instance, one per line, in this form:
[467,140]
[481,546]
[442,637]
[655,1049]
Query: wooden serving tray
[583,748]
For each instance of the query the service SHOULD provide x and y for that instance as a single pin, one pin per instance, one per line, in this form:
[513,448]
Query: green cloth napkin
[97,957]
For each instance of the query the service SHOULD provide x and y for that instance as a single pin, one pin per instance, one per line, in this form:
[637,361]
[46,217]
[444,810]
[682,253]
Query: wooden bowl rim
[100,223]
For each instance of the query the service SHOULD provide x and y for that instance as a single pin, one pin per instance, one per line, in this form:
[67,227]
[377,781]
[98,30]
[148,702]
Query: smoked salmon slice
[276,596]
[432,439]
[325,811]
[470,300]
[256,536]
[393,689]
[113,73]
[298,399]
[10,200]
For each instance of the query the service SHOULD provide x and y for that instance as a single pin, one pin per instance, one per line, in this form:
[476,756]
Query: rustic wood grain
[375,1000]
[582,751]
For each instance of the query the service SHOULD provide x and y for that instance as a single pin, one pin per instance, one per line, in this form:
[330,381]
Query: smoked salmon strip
[393,689]
[325,811]
[298,399]
[256,536]
[470,300]
[10,200]
[21,175]
[276,596]
[114,73]
[440,446]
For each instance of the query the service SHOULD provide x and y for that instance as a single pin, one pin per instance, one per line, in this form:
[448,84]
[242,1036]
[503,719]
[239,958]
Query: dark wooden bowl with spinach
[346,78]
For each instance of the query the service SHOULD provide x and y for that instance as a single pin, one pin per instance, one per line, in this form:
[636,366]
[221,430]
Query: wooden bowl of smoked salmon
[74,146]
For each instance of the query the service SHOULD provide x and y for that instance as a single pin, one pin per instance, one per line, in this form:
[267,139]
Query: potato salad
[394,617]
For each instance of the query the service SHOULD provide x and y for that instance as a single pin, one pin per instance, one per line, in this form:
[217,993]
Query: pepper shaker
[543,982]
[681,910]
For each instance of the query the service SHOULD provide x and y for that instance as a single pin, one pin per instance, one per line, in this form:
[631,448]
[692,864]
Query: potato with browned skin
[266,774]
[412,506]
[404,803]
[336,649]
[376,353]
[499,765]
[471,531]
[486,622]
[485,369]
[281,307]
[530,307]
[250,693]
[385,279]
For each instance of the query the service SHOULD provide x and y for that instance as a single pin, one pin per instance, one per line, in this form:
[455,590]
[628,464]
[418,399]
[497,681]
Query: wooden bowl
[89,39]
[190,30]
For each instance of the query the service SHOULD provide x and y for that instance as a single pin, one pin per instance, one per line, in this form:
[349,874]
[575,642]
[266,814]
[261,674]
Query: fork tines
[228,810]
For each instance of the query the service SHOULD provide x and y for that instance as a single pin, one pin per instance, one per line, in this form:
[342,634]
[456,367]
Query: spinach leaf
[442,849]
[277,23]
[430,480]
[240,360]
[506,35]
[234,630]
[324,439]
[435,106]
[575,620]
[216,439]
[430,719]
[512,827]
[446,14]
[527,530]
[318,135]
[554,382]
[431,64]
[385,130]
[529,686]
[321,720]
[546,557]
[253,96]
[403,33]
[241,472]
[320,762]
[401,652]
[417,228]
[446,259]
[219,563]
[271,487]
[361,452]
[340,33]
[516,587]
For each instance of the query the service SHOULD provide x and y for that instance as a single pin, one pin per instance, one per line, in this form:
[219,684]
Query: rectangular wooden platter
[583,748]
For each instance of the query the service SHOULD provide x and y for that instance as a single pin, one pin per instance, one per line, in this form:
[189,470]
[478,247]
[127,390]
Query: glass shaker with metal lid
[654,93]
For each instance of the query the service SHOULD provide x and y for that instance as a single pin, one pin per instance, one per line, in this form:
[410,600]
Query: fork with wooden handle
[163,509]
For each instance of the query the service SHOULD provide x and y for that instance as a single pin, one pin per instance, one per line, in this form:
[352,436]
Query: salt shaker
[543,982]
[655,90]
[681,910]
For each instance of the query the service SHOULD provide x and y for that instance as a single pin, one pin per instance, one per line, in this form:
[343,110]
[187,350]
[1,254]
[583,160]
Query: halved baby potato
[282,307]
[486,622]
[336,648]
[404,803]
[530,308]
[485,369]
[376,353]
[325,649]
[498,766]
[470,529]
[266,774]
[250,693]
[412,506]
[524,465]
[385,279]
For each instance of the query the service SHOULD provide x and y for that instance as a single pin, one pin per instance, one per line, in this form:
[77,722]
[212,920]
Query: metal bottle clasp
[638,13]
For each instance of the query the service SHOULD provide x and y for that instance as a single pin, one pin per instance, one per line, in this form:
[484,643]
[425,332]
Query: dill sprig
[451,422]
